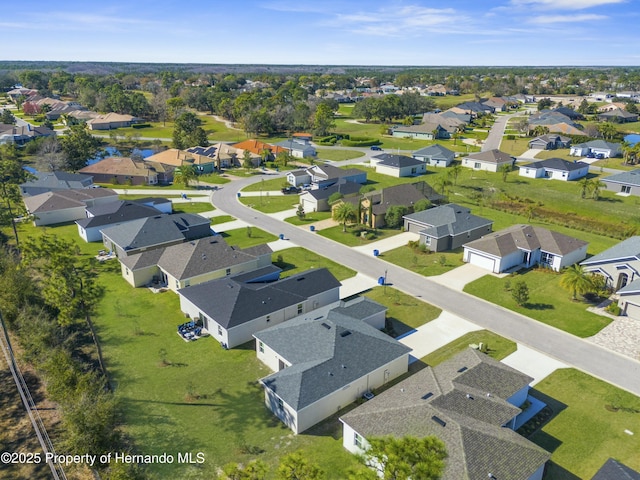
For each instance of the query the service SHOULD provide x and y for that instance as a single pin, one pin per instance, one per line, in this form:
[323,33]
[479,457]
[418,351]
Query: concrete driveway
[457,278]
[387,244]
[533,363]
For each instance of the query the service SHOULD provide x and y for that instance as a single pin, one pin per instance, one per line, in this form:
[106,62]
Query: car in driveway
[290,190]
[376,148]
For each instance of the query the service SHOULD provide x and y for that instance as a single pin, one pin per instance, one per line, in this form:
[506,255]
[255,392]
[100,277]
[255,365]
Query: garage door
[633,311]
[481,261]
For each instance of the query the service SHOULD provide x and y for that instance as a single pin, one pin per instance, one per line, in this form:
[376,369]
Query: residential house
[615,470]
[461,118]
[424,131]
[66,205]
[297,148]
[447,227]
[233,309]
[257,148]
[223,156]
[619,265]
[624,183]
[569,112]
[491,160]
[22,134]
[501,104]
[111,214]
[123,171]
[555,169]
[163,205]
[399,165]
[317,200]
[556,122]
[54,181]
[523,246]
[325,175]
[435,155]
[550,141]
[324,361]
[176,158]
[472,403]
[475,109]
[193,262]
[154,232]
[607,149]
[375,204]
[110,121]
[618,116]
[18,93]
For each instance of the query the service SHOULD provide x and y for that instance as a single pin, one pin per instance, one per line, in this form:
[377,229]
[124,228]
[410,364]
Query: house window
[177,284]
[268,318]
[625,189]
[228,271]
[546,258]
[358,441]
[219,330]
[280,404]
[414,170]
[187,283]
[261,347]
[299,308]
[427,240]
[127,271]
[476,165]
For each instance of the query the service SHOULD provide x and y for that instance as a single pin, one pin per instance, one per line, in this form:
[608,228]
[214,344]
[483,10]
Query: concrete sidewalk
[437,333]
[387,244]
[533,363]
[460,276]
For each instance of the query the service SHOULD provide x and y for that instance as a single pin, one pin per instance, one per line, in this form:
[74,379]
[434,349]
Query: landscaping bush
[361,142]
[141,125]
[613,309]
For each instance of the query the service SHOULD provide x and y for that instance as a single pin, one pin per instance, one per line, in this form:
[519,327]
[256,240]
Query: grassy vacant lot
[548,302]
[242,238]
[352,237]
[559,153]
[271,204]
[310,217]
[337,154]
[405,312]
[515,147]
[297,259]
[588,428]
[426,264]
[497,347]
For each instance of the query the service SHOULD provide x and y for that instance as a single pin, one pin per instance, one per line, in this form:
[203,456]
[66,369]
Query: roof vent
[469,396]
[330,374]
[439,421]
[299,279]
[346,333]
[460,370]
[325,325]
[343,366]
[427,396]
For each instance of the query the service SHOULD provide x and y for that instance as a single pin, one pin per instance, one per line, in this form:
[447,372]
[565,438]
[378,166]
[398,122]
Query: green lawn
[271,204]
[405,312]
[297,259]
[548,302]
[515,147]
[497,347]
[130,196]
[131,188]
[193,207]
[337,155]
[273,184]
[352,237]
[241,237]
[586,430]
[426,264]
[309,218]
[215,178]
[221,219]
[559,153]
[617,163]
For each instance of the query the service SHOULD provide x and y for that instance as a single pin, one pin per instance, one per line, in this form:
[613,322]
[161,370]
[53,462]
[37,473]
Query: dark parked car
[599,156]
[376,147]
[288,190]
[591,155]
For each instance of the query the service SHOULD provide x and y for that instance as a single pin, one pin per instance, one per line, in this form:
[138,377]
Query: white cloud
[547,19]
[566,4]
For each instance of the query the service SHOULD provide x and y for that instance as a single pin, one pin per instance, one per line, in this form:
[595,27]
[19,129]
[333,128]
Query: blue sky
[391,32]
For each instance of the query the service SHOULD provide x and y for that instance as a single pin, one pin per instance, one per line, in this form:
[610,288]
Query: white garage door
[481,261]
[633,311]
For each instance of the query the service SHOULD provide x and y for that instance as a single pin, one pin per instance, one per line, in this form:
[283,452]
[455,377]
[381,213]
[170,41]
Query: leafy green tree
[585,185]
[596,186]
[544,103]
[575,280]
[393,217]
[455,171]
[79,146]
[187,132]
[631,107]
[406,458]
[505,170]
[7,117]
[520,293]
[608,130]
[295,466]
[343,213]
[11,176]
[254,470]
[421,205]
[247,161]
[185,174]
[323,120]
[300,213]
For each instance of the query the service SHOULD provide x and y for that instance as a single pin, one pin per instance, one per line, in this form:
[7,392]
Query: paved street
[497,131]
[593,359]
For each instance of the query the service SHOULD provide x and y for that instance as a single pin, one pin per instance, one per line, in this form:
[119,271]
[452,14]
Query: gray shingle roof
[629,248]
[557,164]
[631,177]
[63,199]
[435,151]
[476,442]
[231,303]
[197,257]
[48,181]
[450,219]
[326,354]
[400,195]
[614,470]
[600,144]
[116,212]
[525,237]
[155,230]
[397,161]
[492,156]
[346,188]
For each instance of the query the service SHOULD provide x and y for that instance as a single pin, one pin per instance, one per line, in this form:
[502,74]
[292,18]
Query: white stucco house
[555,169]
[491,160]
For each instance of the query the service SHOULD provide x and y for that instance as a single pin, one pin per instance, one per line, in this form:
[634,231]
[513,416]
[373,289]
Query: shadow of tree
[538,306]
